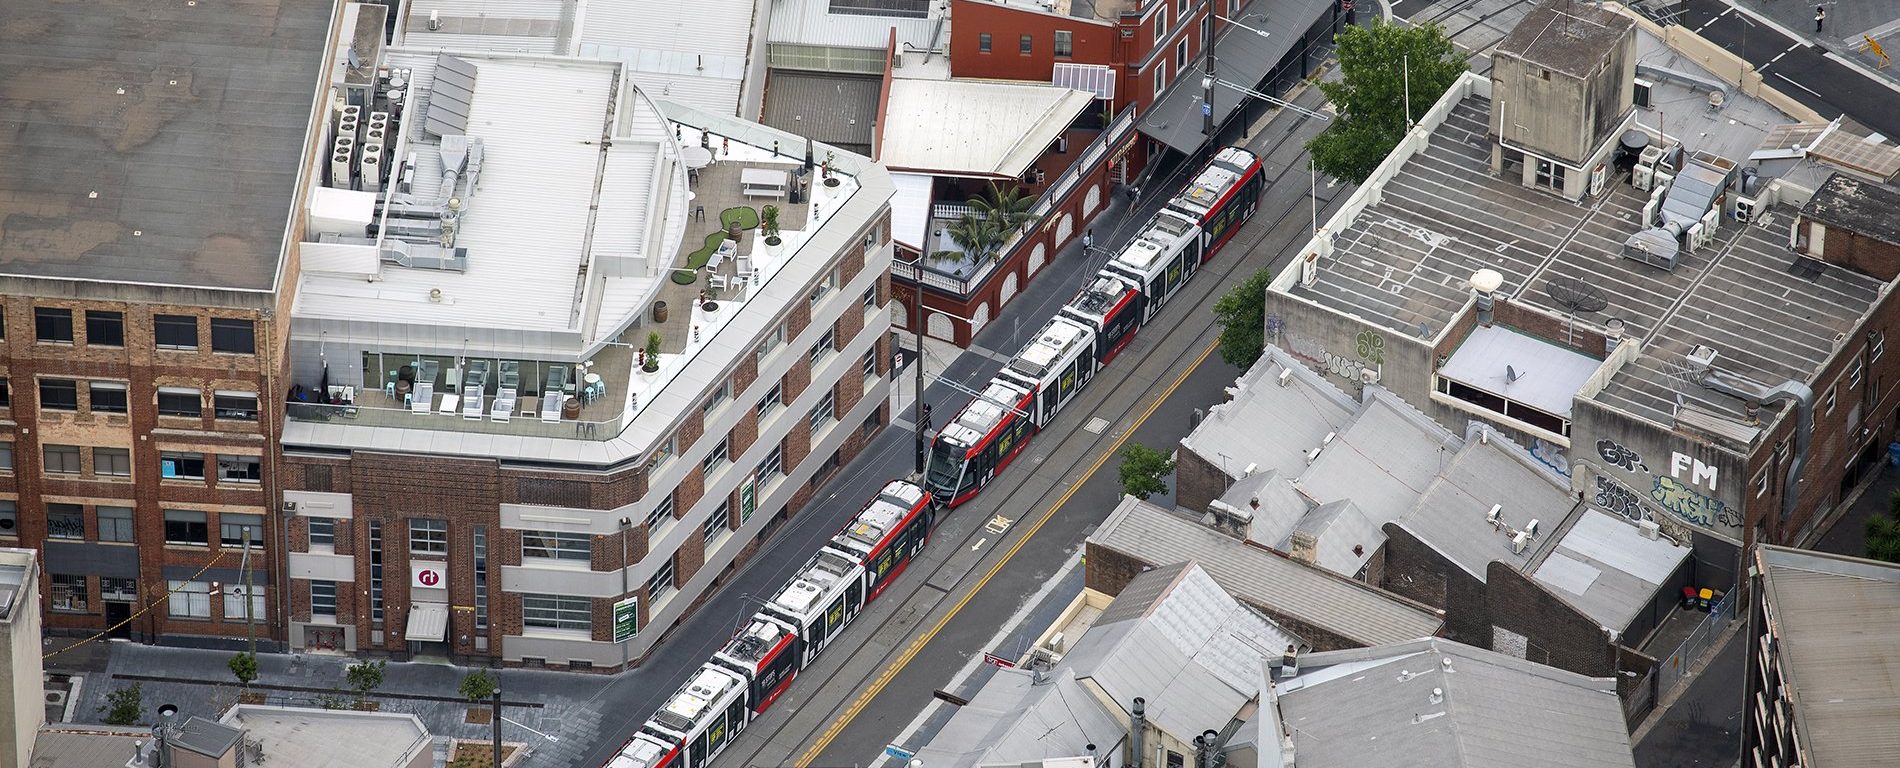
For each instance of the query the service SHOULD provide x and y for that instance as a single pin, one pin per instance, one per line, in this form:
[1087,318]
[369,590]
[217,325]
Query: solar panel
[450,95]
[908,9]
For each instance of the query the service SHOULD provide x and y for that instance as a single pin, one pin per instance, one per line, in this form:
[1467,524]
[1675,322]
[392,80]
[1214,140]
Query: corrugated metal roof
[975,127]
[1837,623]
[1276,584]
[910,209]
[832,108]
[1244,58]
[811,22]
[1013,719]
[1439,703]
[712,29]
[1268,425]
[1450,516]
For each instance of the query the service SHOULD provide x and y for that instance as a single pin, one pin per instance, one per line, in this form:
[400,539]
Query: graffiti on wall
[1685,502]
[1370,346]
[1551,455]
[1619,498]
[1615,454]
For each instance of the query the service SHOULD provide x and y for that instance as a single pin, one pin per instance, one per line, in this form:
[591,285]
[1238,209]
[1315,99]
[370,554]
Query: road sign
[898,753]
[626,619]
[998,661]
[1206,109]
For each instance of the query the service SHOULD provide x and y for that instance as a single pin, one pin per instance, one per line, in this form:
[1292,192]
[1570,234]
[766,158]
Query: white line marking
[1863,70]
[1778,56]
[531,730]
[979,543]
[1785,79]
[1799,40]
[1713,19]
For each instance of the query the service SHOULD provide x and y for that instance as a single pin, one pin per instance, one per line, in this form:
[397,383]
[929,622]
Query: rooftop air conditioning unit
[341,157]
[1368,375]
[1286,377]
[372,167]
[1649,528]
[1642,96]
[1520,542]
[378,127]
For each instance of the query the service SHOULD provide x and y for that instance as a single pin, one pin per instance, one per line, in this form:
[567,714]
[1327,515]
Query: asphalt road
[1796,67]
[859,696]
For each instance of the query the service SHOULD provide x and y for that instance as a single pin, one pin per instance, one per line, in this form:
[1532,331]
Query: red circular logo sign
[429,578]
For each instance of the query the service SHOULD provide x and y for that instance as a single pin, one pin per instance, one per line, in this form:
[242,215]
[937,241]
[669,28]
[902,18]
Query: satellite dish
[1574,296]
[356,59]
[1511,374]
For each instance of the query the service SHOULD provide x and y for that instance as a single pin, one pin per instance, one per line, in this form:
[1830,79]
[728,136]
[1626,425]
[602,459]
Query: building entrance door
[116,615]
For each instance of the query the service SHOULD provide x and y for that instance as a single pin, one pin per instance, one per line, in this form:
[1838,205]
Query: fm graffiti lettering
[1620,498]
[1616,455]
[1683,501]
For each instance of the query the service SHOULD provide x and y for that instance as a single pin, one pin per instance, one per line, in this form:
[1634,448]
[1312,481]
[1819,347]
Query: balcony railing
[1092,158]
[528,426]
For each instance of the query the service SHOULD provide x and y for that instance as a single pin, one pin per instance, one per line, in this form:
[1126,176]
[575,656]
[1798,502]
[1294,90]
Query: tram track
[920,595]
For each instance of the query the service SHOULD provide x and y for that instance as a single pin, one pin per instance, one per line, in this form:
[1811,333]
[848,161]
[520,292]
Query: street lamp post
[495,715]
[626,528]
[1207,83]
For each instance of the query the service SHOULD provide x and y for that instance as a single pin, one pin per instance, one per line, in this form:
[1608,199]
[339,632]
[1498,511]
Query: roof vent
[1438,695]
[1701,358]
[435,295]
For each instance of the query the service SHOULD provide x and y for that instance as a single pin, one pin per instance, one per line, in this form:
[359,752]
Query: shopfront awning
[1242,57]
[428,622]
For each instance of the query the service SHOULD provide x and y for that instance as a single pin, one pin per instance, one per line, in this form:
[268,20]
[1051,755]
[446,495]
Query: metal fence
[1671,669]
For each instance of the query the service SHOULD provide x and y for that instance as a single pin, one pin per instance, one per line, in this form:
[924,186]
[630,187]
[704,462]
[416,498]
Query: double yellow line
[916,646]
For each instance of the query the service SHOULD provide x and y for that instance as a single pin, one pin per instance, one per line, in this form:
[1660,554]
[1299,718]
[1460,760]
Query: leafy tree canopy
[1242,315]
[1371,93]
[1142,470]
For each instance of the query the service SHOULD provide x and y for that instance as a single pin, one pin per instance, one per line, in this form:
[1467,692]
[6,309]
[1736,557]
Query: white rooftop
[1521,367]
[294,737]
[1607,569]
[975,127]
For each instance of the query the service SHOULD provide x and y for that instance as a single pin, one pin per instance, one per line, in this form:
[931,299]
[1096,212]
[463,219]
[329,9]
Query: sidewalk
[535,702]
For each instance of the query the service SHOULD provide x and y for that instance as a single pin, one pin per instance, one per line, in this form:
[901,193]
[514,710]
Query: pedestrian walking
[1134,193]
[1820,15]
[1088,241]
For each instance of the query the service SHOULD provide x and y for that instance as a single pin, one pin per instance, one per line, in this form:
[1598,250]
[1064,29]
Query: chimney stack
[1138,730]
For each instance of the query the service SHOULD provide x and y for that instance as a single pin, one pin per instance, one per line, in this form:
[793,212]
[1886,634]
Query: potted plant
[652,357]
[768,226]
[831,182]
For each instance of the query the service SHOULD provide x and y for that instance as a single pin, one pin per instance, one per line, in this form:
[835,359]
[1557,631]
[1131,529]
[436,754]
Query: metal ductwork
[1791,392]
[1137,732]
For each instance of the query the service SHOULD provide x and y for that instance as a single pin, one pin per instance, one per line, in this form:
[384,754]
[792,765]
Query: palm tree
[979,237]
[1006,205]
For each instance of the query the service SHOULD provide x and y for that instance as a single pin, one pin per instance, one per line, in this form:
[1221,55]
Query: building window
[823,473]
[115,524]
[661,583]
[234,603]
[871,422]
[1181,7]
[869,300]
[774,463]
[6,393]
[112,462]
[771,342]
[869,365]
[186,526]
[1761,484]
[662,512]
[1876,344]
[428,537]
[376,573]
[718,396]
[825,345]
[234,336]
[556,612]
[716,522]
[1830,399]
[1549,175]
[105,329]
[175,331]
[108,397]
[717,455]
[1853,375]
[189,599]
[1065,44]
[557,545]
[114,588]
[983,42]
[69,593]
[53,325]
[65,521]
[663,452]
[61,459]
[59,395]
[183,466]
[179,401]
[481,576]
[1180,56]
[773,398]
[1233,8]
[1161,77]
[824,286]
[1026,44]
[240,469]
[234,406]
[824,412]
[1161,24]
[6,457]
[9,519]
[322,531]
[323,598]
[233,526]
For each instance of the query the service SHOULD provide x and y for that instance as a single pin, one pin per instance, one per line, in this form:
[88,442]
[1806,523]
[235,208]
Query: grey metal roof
[1243,58]
[1837,622]
[1450,515]
[1567,37]
[186,122]
[831,108]
[1857,206]
[1383,460]
[1438,703]
[1606,568]
[1263,579]
[451,91]
[1268,425]
[206,737]
[1014,719]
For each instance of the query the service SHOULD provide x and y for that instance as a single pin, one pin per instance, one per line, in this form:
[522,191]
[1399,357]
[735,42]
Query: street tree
[1378,68]
[1142,470]
[125,706]
[1242,315]
[363,677]
[1883,532]
[244,668]
[478,685]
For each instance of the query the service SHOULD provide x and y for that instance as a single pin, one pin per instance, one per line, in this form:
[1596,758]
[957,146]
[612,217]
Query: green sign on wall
[748,498]
[626,619]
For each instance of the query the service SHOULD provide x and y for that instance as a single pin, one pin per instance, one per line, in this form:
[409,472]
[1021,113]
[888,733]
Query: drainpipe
[1793,393]
[1137,730]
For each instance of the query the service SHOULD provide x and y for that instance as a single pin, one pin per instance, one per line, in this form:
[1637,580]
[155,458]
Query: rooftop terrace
[149,143]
